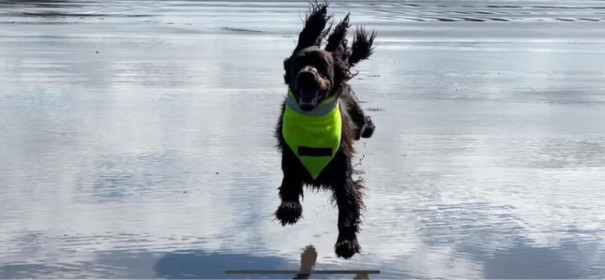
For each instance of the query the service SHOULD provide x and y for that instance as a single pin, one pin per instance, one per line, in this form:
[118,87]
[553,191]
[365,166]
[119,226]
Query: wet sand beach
[137,140]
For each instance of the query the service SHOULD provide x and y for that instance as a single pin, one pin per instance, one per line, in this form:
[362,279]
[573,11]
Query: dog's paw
[346,248]
[289,213]
[369,128]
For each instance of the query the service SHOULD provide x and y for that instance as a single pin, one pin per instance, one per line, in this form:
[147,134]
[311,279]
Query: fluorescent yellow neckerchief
[313,136]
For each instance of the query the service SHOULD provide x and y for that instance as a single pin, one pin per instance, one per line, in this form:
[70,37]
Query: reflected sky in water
[137,140]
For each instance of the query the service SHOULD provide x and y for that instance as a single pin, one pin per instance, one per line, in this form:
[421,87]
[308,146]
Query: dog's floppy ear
[313,32]
[337,42]
[362,46]
[287,69]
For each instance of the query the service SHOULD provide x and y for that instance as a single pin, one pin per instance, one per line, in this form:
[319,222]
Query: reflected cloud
[127,178]
[142,147]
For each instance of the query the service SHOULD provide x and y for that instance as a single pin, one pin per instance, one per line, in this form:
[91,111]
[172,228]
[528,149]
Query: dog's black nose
[306,78]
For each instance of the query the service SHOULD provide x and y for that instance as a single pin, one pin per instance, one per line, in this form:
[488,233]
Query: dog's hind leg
[348,194]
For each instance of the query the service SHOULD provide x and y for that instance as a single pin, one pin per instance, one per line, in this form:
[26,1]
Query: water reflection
[137,140]
[190,265]
[535,263]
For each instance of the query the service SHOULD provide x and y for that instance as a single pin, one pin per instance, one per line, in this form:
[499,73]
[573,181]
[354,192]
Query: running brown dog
[320,121]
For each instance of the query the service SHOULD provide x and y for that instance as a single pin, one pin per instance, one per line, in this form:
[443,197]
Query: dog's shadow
[308,259]
[198,264]
[213,265]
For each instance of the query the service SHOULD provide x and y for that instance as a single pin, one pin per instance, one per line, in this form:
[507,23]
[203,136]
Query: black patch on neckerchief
[314,152]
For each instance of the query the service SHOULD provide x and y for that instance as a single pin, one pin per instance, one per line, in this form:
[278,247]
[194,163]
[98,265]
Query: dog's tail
[362,46]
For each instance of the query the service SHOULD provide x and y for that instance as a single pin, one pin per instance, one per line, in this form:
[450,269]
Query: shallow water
[137,140]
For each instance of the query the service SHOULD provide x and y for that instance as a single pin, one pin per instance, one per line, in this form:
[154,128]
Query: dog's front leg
[348,198]
[365,126]
[290,209]
[291,189]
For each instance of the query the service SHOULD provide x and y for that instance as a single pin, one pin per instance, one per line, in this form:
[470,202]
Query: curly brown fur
[338,38]
[362,46]
[313,32]
[313,74]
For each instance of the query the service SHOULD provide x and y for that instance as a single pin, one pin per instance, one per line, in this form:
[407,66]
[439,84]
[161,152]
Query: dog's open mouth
[307,99]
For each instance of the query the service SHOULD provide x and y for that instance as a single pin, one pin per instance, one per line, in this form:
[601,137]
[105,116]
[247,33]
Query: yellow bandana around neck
[313,136]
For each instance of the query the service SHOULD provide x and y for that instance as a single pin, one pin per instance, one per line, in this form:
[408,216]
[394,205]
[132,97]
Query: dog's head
[314,74]
[310,76]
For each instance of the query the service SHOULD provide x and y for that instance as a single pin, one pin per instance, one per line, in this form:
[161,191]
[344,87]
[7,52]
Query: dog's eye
[323,67]
[298,64]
